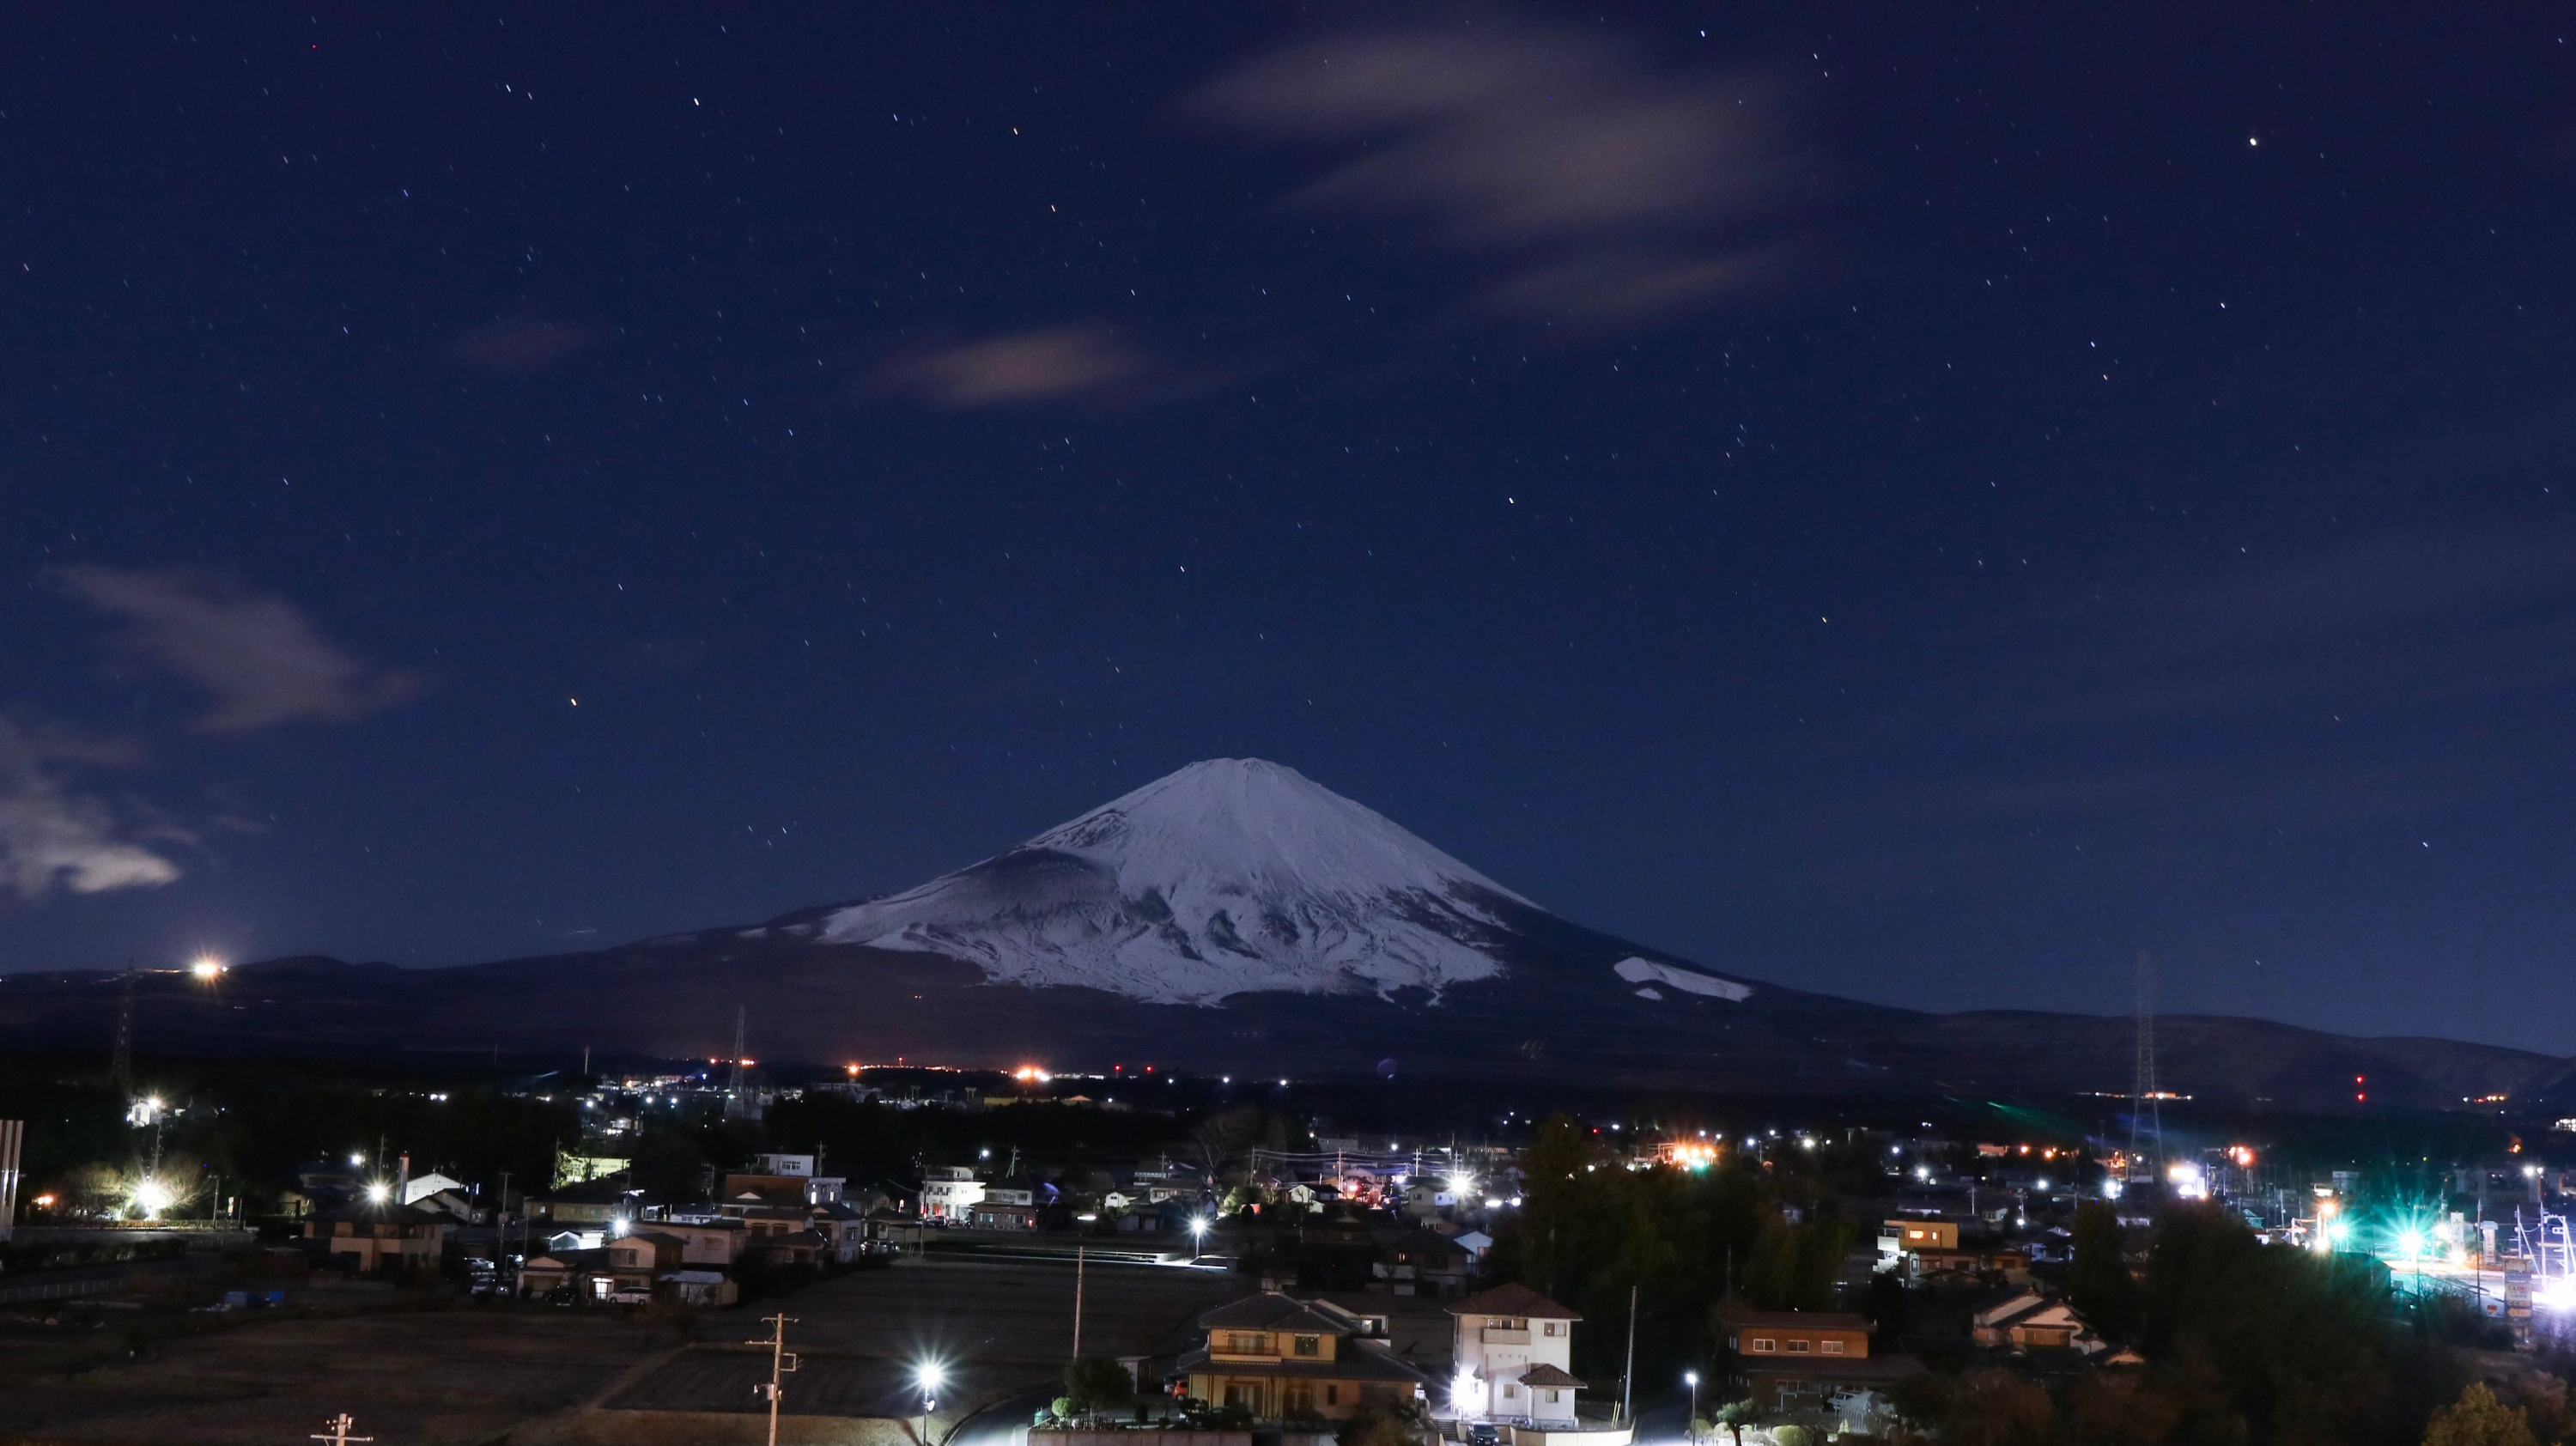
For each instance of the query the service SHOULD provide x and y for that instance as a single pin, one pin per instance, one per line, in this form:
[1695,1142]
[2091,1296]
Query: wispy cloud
[258,659]
[53,838]
[1594,184]
[1025,366]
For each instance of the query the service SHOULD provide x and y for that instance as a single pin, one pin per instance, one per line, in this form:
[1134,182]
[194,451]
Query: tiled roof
[1271,1311]
[1512,1300]
[1544,1374]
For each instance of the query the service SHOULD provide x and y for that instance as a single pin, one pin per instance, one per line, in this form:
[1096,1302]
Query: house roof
[1356,1361]
[1512,1300]
[1814,1320]
[1544,1374]
[1272,1311]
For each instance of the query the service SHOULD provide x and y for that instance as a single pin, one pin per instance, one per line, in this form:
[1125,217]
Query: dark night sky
[1916,507]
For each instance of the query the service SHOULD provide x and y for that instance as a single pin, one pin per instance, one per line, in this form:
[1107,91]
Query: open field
[427,1373]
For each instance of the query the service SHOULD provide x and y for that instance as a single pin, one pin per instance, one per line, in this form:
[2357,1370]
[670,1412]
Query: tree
[1098,1383]
[2098,1280]
[1735,1416]
[2478,1419]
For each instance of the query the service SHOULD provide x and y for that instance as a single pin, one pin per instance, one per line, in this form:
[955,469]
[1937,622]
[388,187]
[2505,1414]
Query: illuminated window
[1761,1345]
[1309,1346]
[1833,1348]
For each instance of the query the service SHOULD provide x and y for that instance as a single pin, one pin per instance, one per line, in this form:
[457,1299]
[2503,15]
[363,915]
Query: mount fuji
[1236,917]
[1232,876]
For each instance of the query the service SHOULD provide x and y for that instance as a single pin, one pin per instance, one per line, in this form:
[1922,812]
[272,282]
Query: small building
[1793,1360]
[386,1239]
[1513,1357]
[948,1192]
[1001,1215]
[595,1204]
[1285,1360]
[582,1272]
[2025,1320]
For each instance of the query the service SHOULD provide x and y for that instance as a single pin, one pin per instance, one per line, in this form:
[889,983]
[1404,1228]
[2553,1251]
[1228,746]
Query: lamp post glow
[1198,1236]
[929,1377]
[1690,1426]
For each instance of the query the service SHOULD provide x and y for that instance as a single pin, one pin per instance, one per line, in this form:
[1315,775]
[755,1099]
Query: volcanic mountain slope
[1236,917]
[1231,876]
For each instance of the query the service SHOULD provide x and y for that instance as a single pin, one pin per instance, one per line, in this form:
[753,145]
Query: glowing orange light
[44,1202]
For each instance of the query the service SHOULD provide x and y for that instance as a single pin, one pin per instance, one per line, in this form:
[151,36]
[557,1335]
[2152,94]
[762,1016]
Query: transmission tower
[2146,1123]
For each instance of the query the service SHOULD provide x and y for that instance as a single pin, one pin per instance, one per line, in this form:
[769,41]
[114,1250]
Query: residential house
[949,1192]
[636,1261]
[1012,1204]
[595,1205]
[583,1272]
[1931,1250]
[1283,1359]
[2024,1320]
[1512,1358]
[1419,1262]
[385,1238]
[1807,1360]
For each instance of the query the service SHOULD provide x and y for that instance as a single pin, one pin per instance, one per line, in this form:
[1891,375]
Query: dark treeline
[1590,1230]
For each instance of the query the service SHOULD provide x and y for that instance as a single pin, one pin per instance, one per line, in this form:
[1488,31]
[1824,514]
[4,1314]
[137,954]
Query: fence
[53,1290]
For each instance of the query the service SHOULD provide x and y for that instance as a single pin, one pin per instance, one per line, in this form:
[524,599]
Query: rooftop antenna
[2146,1123]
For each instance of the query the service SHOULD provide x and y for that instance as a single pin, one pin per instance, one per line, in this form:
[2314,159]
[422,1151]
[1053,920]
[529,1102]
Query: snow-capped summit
[1230,875]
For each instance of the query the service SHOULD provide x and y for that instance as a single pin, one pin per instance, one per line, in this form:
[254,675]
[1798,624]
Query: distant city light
[357,1159]
[207,967]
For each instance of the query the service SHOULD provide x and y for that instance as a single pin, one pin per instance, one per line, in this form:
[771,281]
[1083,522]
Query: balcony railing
[1497,1336]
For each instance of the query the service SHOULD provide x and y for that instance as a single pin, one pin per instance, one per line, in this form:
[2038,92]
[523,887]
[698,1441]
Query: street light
[1198,1236]
[1690,1427]
[929,1377]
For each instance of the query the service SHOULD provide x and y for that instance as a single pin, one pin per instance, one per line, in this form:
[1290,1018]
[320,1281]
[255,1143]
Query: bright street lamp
[929,1376]
[1690,1425]
[380,1192]
[207,968]
[1198,1236]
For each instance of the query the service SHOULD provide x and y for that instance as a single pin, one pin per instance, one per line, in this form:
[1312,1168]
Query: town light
[152,1196]
[355,1160]
[44,1202]
[380,1192]
[930,1376]
[207,967]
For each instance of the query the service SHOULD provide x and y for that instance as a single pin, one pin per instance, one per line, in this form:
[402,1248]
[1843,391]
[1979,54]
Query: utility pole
[781,1361]
[339,1435]
[1628,1377]
[1078,1252]
[2146,1122]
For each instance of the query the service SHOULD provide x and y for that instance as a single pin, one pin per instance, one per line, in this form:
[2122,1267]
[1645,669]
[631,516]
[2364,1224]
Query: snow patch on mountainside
[1640,971]
[1229,876]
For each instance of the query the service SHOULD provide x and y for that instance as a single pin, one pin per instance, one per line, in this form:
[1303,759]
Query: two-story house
[1283,1359]
[1514,1354]
[384,1238]
[949,1193]
[1806,1360]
